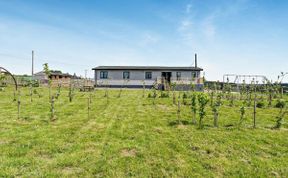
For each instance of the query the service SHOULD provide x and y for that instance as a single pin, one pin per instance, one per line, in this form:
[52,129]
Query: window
[194,75]
[148,75]
[126,75]
[103,74]
[178,75]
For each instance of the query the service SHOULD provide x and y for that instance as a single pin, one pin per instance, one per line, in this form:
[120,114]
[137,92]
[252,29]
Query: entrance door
[166,80]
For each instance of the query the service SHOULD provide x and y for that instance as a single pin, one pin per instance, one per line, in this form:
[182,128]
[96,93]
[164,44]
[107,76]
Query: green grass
[131,137]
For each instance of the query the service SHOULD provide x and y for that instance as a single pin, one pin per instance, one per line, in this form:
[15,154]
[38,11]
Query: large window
[178,75]
[194,74]
[126,75]
[148,75]
[103,74]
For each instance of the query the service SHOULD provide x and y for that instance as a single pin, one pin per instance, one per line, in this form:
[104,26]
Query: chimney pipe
[195,60]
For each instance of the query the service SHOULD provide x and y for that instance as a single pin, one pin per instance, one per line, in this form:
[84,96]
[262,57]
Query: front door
[166,80]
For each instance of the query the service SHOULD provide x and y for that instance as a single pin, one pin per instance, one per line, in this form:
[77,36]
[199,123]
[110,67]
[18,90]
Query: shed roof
[147,68]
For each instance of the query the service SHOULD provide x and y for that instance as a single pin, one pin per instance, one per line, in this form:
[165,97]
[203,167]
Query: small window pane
[126,75]
[148,75]
[103,74]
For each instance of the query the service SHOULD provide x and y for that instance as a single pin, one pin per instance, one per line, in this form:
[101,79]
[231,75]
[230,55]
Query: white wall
[115,77]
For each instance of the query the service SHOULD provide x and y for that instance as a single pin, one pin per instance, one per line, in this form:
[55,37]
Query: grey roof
[53,72]
[146,68]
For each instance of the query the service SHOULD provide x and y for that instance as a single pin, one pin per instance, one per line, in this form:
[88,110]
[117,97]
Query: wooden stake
[254,112]
[31,93]
[18,105]
[88,109]
[178,110]
[52,109]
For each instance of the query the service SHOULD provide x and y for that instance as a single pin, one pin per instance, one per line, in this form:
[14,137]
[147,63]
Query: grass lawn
[131,137]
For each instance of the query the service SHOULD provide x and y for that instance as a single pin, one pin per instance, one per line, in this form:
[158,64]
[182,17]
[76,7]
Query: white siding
[115,77]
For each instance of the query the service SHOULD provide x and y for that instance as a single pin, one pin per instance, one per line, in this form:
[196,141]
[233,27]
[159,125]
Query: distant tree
[48,73]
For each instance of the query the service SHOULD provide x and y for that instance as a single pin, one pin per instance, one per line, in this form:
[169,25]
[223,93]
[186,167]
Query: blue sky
[230,36]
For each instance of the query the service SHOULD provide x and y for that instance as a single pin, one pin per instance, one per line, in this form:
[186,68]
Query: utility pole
[32,64]
[195,61]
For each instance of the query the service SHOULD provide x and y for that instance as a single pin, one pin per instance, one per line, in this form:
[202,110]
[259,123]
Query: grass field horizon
[129,136]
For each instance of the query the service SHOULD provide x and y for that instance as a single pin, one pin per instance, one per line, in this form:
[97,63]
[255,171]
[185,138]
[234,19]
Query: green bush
[164,95]
[35,92]
[280,103]
[185,95]
[260,104]
[150,95]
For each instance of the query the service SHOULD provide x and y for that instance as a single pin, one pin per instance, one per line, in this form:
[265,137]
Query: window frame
[102,74]
[194,74]
[128,72]
[178,75]
[146,78]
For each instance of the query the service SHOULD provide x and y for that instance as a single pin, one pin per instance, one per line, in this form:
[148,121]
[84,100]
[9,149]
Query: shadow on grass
[229,125]
[179,122]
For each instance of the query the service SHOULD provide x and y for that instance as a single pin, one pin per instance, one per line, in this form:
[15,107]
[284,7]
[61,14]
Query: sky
[229,36]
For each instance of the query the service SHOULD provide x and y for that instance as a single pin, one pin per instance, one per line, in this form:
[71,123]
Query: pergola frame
[238,79]
[283,76]
[7,72]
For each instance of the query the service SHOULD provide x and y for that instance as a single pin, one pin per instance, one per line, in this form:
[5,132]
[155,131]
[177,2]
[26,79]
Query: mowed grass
[131,137]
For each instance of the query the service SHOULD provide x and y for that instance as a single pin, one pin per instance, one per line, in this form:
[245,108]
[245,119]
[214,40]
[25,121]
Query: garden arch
[7,72]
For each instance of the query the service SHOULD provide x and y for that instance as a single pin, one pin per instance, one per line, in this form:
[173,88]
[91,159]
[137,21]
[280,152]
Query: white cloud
[208,28]
[148,39]
[194,30]
[185,25]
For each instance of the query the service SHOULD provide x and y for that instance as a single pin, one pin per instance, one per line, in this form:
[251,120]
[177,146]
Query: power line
[43,60]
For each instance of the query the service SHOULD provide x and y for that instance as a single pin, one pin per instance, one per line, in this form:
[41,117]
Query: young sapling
[52,109]
[215,108]
[48,73]
[202,100]
[194,107]
[242,114]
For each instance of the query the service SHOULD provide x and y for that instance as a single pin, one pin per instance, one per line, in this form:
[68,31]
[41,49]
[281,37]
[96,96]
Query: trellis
[7,72]
[239,79]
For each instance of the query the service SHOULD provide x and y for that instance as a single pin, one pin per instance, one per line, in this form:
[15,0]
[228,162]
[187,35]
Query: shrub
[35,92]
[164,95]
[185,95]
[149,95]
[260,104]
[280,103]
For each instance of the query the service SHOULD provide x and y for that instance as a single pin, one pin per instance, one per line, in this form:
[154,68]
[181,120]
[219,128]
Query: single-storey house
[148,76]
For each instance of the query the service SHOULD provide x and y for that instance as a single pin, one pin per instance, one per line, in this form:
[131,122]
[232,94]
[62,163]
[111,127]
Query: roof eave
[172,68]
